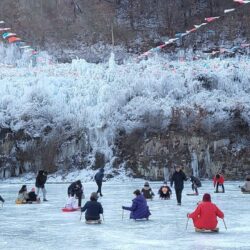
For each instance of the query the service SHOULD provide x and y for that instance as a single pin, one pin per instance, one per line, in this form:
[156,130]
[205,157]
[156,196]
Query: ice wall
[103,99]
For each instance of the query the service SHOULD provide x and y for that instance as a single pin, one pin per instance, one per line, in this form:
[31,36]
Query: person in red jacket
[205,215]
[219,181]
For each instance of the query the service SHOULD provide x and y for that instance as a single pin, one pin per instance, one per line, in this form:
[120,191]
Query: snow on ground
[101,98]
[45,227]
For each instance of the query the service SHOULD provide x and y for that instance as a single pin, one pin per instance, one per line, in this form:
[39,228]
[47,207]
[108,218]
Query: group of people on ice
[204,217]
[29,197]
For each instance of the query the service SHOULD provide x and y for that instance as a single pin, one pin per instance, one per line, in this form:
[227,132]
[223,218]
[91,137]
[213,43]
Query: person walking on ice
[205,215]
[178,179]
[40,183]
[98,179]
[2,199]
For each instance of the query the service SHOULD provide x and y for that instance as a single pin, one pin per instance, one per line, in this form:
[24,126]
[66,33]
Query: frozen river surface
[44,226]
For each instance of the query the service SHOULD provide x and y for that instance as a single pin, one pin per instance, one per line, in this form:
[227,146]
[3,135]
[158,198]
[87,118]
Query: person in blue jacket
[93,208]
[139,208]
[98,179]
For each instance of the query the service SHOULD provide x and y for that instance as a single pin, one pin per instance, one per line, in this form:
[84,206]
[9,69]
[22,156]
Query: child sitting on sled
[72,202]
[165,191]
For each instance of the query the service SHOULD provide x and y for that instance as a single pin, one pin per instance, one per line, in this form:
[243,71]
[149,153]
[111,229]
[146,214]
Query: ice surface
[45,227]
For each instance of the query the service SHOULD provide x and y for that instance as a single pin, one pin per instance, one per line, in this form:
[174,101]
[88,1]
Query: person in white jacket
[72,202]
[246,186]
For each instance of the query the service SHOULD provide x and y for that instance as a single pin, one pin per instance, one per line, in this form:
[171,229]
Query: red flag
[211,19]
[192,30]
[14,39]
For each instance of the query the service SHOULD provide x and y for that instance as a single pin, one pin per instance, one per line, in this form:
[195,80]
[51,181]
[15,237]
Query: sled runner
[216,230]
[67,210]
[193,194]
[28,202]
[138,220]
[245,192]
[93,222]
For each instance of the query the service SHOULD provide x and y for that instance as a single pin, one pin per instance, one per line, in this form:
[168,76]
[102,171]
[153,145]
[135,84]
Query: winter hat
[94,196]
[33,189]
[137,192]
[206,197]
[146,184]
[217,176]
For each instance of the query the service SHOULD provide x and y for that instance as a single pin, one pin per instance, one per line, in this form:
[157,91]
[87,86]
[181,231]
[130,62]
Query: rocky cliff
[32,137]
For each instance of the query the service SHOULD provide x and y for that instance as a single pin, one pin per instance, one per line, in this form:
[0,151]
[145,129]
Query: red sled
[67,210]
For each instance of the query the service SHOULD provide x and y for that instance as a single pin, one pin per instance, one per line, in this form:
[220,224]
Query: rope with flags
[12,38]
[179,36]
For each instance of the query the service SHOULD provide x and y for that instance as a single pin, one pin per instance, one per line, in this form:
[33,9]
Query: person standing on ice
[40,183]
[219,181]
[205,215]
[178,179]
[2,199]
[93,208]
[139,208]
[76,189]
[98,179]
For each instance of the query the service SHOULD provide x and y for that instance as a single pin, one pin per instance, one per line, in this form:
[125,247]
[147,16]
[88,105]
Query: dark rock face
[147,153]
[68,28]
[189,141]
[57,148]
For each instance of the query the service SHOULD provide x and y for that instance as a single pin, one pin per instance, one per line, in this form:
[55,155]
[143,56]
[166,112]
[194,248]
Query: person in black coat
[93,208]
[33,196]
[40,183]
[165,191]
[2,199]
[98,179]
[76,189]
[196,183]
[178,179]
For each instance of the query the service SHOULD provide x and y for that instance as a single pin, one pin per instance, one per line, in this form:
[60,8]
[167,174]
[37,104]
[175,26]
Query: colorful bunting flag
[192,30]
[4,29]
[229,10]
[14,39]
[211,19]
[7,35]
[25,47]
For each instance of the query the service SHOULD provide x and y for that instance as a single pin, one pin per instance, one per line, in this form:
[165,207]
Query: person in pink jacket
[205,215]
